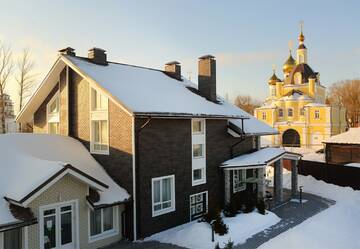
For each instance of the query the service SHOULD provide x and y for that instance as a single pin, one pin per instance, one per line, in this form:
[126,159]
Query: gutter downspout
[136,166]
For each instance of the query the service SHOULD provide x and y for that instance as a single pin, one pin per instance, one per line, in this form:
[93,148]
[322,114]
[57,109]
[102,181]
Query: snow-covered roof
[253,126]
[258,158]
[355,165]
[316,105]
[29,160]
[150,91]
[352,136]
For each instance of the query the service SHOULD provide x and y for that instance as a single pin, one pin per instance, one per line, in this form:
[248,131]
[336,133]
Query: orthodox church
[296,105]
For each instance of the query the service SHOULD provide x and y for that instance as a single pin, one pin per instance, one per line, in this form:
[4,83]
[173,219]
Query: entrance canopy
[258,159]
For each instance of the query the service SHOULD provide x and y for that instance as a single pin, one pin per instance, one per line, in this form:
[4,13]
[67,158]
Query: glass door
[58,227]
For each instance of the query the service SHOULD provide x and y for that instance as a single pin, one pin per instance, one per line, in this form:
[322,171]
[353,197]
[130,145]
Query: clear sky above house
[247,37]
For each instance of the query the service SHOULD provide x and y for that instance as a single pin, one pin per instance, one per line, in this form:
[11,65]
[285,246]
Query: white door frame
[75,221]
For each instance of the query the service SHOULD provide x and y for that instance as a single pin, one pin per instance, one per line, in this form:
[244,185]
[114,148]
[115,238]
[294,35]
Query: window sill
[105,235]
[198,182]
[100,152]
[161,212]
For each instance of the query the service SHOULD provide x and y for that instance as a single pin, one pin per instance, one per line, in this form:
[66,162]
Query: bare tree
[6,66]
[346,93]
[25,77]
[247,103]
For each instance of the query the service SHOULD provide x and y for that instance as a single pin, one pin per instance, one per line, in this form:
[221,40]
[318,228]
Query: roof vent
[67,51]
[173,69]
[97,56]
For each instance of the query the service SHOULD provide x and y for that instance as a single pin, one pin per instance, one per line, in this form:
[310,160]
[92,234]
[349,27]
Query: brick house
[165,140]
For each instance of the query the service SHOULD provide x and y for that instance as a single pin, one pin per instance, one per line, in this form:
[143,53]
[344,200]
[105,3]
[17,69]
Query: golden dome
[301,37]
[289,64]
[273,79]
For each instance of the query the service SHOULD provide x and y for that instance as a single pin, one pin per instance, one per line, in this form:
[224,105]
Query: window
[273,91]
[163,195]
[53,114]
[302,111]
[197,126]
[99,123]
[239,183]
[317,114]
[102,222]
[12,239]
[99,101]
[290,112]
[264,115]
[198,205]
[281,113]
[198,151]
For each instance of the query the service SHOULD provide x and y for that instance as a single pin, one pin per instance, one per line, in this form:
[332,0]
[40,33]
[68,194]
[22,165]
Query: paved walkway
[291,214]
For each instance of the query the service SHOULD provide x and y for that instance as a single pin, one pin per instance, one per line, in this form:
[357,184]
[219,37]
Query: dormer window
[99,134]
[53,114]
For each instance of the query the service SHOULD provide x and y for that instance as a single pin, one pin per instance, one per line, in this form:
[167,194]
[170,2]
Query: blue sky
[247,37]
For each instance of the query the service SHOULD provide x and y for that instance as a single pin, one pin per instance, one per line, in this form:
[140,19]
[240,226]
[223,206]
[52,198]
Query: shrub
[220,227]
[261,206]
[250,203]
[229,244]
[233,208]
[211,215]
[217,246]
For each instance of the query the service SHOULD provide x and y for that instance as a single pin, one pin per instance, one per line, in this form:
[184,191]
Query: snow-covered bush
[229,244]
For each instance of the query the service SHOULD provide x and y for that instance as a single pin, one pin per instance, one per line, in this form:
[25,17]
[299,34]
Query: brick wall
[165,149]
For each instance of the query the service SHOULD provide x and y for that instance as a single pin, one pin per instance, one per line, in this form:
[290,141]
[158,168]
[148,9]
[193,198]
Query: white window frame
[207,202]
[292,112]
[198,163]
[50,117]
[317,114]
[98,115]
[243,178]
[76,235]
[172,184]
[104,234]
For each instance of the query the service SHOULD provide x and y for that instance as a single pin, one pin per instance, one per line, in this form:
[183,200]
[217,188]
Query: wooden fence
[341,175]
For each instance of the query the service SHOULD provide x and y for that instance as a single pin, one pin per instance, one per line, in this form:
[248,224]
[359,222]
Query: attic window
[53,114]
[99,134]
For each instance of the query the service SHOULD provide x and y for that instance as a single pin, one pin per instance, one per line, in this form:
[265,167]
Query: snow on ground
[197,235]
[334,228]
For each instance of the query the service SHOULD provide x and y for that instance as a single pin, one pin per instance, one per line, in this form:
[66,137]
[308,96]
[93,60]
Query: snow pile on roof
[257,158]
[296,96]
[307,153]
[198,234]
[28,160]
[253,126]
[316,105]
[143,90]
[355,165]
[352,136]
[334,228]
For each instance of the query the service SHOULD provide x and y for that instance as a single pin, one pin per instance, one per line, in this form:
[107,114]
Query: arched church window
[281,113]
[290,112]
[302,111]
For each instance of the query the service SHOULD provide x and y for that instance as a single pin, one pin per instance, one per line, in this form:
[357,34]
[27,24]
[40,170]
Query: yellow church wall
[323,115]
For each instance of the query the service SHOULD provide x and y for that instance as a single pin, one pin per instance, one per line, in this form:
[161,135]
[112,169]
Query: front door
[58,226]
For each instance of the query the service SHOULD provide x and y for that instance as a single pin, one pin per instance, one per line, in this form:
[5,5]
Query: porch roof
[256,159]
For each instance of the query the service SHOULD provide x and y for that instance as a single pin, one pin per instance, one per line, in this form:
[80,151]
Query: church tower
[301,53]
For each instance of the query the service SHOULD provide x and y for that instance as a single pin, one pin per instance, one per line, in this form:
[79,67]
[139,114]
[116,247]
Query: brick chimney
[207,77]
[67,51]
[173,69]
[97,56]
